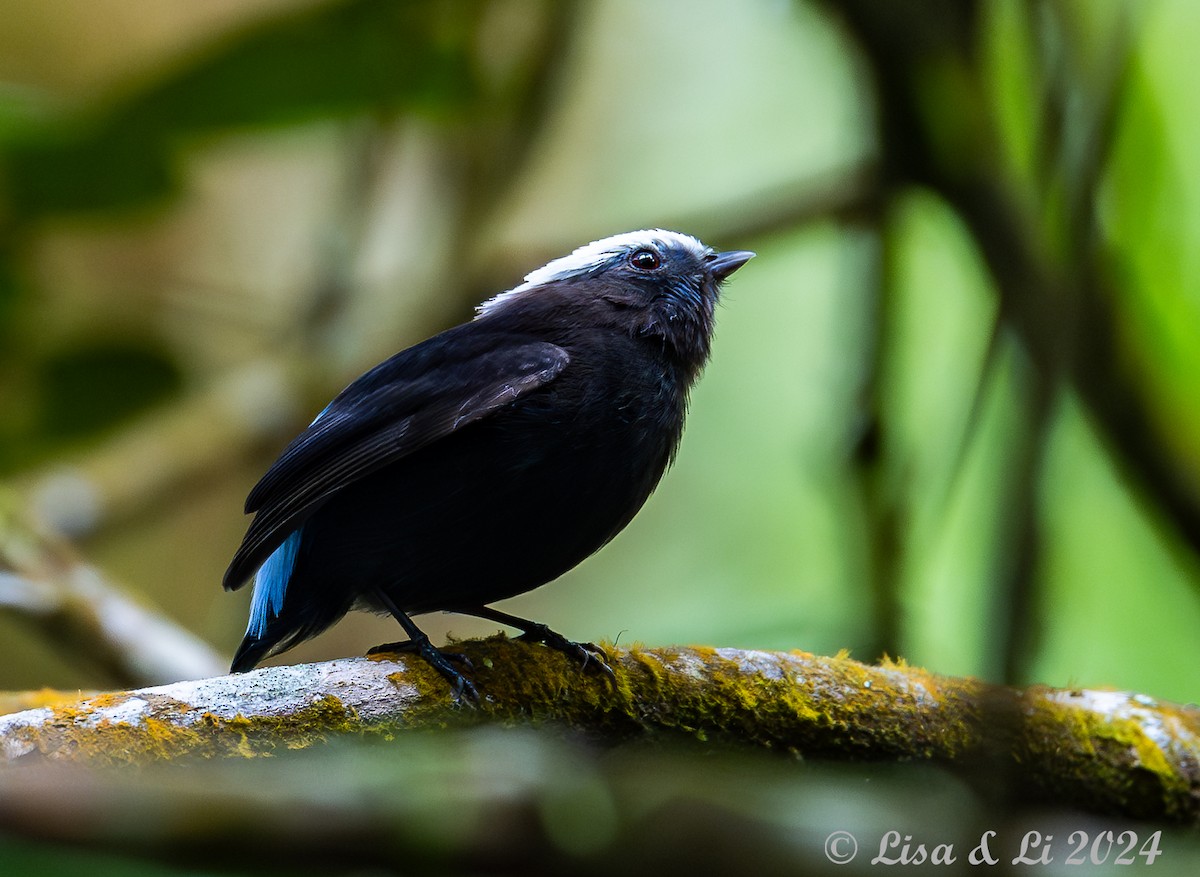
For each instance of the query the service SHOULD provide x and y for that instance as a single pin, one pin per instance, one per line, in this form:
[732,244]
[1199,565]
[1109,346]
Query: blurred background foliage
[951,413]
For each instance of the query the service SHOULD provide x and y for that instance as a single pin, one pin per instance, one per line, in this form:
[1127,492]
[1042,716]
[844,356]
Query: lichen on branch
[1105,751]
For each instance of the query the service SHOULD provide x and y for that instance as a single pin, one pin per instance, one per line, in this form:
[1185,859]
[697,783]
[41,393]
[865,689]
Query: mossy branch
[1105,751]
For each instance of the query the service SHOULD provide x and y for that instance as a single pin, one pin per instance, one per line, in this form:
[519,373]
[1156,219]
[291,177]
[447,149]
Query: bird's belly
[484,515]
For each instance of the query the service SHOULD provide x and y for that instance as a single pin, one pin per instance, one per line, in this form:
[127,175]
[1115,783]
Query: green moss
[801,704]
[1103,762]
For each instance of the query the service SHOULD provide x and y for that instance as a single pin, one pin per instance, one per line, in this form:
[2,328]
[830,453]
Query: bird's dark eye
[645,260]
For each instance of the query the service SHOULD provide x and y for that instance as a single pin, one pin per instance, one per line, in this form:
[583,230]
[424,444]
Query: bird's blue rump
[270,585]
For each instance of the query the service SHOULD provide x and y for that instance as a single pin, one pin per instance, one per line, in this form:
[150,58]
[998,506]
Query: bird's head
[654,283]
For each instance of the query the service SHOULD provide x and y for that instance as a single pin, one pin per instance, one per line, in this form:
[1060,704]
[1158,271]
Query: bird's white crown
[591,256]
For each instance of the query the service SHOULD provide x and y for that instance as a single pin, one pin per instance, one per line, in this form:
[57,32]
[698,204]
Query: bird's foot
[439,660]
[589,655]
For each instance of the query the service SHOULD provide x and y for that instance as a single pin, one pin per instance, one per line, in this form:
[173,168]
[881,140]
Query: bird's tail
[252,650]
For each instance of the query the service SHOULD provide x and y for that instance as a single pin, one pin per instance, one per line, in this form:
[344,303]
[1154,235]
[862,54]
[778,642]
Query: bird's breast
[516,499]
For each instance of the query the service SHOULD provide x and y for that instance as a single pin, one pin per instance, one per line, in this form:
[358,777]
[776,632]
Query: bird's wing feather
[419,396]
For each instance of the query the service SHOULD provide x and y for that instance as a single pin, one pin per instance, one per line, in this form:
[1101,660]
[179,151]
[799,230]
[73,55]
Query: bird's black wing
[417,397]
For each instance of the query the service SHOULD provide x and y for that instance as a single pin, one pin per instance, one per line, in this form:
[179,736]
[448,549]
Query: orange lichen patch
[106,700]
[82,732]
[18,701]
[385,656]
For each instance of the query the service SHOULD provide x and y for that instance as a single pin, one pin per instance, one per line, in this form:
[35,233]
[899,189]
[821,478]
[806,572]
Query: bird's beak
[721,265]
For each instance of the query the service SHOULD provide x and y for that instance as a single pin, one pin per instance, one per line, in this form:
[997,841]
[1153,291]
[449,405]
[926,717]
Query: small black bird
[489,459]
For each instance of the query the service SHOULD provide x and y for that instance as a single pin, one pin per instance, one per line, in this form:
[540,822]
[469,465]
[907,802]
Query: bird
[489,459]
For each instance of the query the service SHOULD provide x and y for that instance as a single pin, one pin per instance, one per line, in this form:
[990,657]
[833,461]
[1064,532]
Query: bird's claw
[589,655]
[440,661]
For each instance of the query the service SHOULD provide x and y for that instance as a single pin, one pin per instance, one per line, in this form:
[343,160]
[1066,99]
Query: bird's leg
[589,655]
[419,643]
